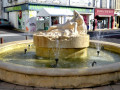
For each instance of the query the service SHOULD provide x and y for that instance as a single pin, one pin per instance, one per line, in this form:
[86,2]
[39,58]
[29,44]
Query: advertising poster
[31,22]
[20,19]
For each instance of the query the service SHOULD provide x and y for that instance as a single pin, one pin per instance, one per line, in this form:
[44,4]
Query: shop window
[42,23]
[55,20]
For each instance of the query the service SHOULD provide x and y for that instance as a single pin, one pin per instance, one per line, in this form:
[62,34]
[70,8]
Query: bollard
[1,39]
[26,38]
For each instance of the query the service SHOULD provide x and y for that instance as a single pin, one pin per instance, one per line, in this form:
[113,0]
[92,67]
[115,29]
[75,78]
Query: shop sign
[16,8]
[104,12]
[38,7]
[13,8]
[80,10]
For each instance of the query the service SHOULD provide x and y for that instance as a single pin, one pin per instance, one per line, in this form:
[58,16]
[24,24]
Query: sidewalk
[9,35]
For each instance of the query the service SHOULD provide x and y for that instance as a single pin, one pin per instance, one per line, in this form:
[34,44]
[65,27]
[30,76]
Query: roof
[54,12]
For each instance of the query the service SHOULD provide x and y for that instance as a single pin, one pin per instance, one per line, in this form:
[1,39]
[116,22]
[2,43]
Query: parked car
[5,23]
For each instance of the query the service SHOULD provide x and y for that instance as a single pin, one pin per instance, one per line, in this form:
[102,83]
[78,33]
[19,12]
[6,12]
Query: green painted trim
[13,8]
[16,8]
[82,10]
[37,7]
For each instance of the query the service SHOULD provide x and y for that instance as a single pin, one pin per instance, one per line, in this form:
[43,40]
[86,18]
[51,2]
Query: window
[110,3]
[100,3]
[93,3]
[103,3]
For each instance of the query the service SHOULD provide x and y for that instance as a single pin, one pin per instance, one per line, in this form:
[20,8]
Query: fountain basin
[56,77]
[77,47]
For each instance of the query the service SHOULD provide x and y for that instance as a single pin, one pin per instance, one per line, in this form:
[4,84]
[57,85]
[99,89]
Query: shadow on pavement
[4,30]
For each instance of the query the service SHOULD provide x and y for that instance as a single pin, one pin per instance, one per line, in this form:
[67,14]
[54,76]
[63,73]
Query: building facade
[104,14]
[104,18]
[117,14]
[0,8]
[22,12]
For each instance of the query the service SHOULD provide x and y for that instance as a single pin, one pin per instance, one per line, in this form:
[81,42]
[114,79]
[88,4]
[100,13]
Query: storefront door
[102,23]
[106,23]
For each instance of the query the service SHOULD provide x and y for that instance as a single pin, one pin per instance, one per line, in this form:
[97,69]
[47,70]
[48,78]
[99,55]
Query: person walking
[93,25]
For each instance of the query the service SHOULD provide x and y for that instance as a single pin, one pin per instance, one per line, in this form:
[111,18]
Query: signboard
[37,7]
[80,10]
[104,12]
[16,8]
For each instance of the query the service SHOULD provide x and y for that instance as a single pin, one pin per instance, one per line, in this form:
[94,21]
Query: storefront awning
[54,12]
[104,15]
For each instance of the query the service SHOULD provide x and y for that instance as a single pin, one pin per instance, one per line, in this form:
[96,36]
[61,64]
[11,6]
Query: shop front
[104,18]
[29,17]
[47,17]
[117,19]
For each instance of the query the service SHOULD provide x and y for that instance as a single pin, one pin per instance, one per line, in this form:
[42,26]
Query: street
[106,35]
[9,35]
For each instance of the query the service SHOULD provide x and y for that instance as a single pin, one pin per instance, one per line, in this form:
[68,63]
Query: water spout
[25,50]
[55,65]
[29,45]
[56,60]
[98,52]
[93,63]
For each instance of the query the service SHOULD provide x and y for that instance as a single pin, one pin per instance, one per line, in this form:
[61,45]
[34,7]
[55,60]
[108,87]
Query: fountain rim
[58,71]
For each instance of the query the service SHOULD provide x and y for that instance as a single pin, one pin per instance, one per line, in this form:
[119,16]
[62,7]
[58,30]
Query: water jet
[93,63]
[25,50]
[98,52]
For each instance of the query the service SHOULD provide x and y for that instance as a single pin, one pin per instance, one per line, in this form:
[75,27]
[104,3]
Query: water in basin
[30,59]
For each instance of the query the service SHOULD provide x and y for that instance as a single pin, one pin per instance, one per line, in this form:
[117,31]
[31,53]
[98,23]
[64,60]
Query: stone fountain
[72,39]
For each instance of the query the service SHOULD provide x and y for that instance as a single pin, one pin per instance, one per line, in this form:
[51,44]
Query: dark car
[5,23]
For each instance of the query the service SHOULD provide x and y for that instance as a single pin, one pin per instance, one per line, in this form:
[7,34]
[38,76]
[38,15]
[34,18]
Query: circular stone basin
[27,69]
[19,57]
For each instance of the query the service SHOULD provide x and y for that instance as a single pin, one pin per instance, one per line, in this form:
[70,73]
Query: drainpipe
[2,8]
[69,2]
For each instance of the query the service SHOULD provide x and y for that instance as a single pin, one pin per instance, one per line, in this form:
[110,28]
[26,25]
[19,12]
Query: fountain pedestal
[64,41]
[73,48]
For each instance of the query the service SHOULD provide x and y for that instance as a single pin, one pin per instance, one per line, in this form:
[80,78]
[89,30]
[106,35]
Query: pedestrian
[93,25]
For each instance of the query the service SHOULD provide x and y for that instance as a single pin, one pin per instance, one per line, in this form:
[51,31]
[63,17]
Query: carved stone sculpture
[75,25]
[71,38]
